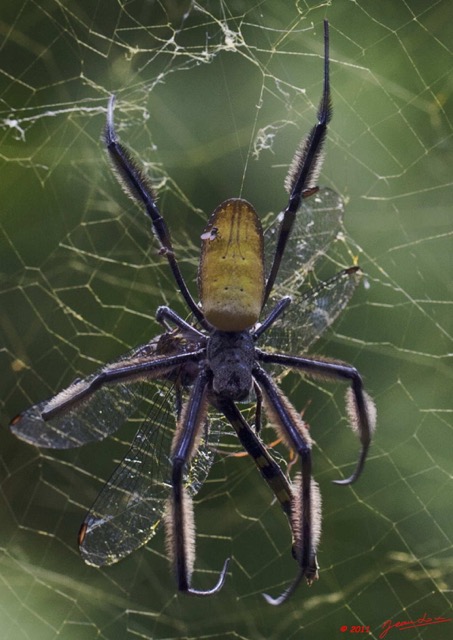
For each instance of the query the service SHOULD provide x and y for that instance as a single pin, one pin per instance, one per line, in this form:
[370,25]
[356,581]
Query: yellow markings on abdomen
[231,270]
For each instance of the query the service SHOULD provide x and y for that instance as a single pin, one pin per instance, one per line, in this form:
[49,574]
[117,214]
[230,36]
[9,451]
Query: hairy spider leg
[360,407]
[179,516]
[304,171]
[307,501]
[306,505]
[41,424]
[138,188]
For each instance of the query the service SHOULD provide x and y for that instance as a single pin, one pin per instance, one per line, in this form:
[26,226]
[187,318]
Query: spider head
[230,359]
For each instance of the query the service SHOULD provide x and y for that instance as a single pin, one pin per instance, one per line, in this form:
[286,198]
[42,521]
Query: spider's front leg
[135,184]
[306,503]
[302,178]
[179,518]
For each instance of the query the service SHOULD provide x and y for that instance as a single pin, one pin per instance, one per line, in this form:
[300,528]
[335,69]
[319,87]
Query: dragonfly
[190,381]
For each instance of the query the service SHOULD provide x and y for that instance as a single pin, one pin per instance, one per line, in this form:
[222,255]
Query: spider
[213,363]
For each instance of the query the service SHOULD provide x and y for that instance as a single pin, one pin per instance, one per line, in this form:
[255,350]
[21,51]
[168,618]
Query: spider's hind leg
[306,500]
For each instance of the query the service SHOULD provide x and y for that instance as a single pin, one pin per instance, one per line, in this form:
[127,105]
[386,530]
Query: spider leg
[269,469]
[179,517]
[165,316]
[137,187]
[259,405]
[274,315]
[360,407]
[306,503]
[304,170]
[119,371]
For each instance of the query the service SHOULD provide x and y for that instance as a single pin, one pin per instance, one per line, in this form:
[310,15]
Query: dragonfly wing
[100,415]
[317,223]
[311,313]
[130,507]
[78,415]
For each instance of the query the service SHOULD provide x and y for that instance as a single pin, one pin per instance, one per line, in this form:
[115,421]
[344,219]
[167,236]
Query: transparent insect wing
[310,314]
[96,416]
[130,507]
[318,222]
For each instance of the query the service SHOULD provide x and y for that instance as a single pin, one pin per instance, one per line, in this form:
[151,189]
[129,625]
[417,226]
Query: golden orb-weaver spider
[215,363]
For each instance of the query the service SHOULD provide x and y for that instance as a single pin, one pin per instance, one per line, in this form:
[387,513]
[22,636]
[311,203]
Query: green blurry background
[214,98]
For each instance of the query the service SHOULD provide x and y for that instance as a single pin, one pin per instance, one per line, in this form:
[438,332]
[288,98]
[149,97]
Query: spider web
[214,97]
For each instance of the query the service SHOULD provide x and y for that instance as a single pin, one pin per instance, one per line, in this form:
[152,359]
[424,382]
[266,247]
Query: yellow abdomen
[231,269]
